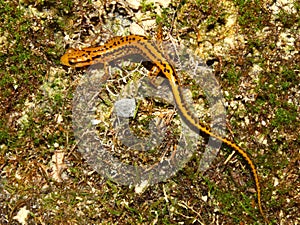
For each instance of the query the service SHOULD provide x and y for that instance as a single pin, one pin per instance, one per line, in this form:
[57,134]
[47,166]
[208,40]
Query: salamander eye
[72,62]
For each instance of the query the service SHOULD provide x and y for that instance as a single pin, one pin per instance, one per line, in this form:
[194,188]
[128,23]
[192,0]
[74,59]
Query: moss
[284,117]
[35,90]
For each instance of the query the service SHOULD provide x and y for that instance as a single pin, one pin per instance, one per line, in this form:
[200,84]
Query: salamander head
[75,58]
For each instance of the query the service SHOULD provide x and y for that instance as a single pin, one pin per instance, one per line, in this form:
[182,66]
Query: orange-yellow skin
[119,47]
